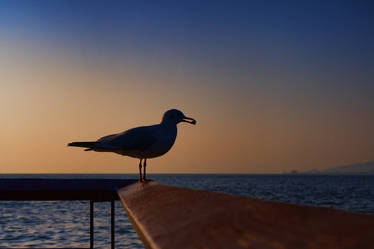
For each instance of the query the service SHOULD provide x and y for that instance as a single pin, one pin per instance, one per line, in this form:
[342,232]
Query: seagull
[141,142]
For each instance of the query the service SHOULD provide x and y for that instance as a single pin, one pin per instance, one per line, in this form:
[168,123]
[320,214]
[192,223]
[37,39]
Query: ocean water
[66,224]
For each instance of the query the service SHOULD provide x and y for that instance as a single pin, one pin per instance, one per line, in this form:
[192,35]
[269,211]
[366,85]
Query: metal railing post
[91,224]
[112,216]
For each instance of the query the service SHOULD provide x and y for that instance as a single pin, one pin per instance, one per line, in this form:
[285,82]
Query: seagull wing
[136,139]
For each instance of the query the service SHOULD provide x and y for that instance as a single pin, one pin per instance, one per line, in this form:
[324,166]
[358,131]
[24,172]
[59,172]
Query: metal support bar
[112,216]
[91,224]
[112,224]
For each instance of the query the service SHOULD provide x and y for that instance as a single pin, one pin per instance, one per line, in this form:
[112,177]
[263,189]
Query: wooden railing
[169,217]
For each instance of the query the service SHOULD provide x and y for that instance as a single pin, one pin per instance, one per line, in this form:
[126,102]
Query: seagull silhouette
[141,142]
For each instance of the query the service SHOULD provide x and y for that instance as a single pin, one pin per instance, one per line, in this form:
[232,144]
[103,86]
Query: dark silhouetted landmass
[366,168]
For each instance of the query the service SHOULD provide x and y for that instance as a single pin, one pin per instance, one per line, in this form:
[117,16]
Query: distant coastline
[366,168]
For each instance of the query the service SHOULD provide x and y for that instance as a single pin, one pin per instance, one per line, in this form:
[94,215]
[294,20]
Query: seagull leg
[140,170]
[144,174]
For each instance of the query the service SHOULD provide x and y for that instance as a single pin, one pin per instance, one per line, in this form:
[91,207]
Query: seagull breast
[165,136]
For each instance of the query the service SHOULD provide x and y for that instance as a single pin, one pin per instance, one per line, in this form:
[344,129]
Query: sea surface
[66,224]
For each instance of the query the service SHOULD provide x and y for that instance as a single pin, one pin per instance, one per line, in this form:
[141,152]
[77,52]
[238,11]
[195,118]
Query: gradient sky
[274,85]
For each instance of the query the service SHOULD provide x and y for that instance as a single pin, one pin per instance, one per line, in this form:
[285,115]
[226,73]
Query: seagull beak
[189,120]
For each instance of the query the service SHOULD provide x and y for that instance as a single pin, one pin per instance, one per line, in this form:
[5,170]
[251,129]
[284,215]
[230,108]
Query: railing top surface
[172,217]
[61,189]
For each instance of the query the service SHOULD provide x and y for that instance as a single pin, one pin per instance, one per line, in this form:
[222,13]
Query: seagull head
[175,116]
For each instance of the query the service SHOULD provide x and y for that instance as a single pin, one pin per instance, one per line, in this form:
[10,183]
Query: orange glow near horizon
[52,100]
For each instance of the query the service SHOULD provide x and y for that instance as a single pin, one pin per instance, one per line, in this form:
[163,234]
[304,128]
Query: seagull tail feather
[89,145]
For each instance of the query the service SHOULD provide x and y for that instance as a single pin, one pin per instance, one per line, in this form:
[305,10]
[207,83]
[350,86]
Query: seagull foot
[147,180]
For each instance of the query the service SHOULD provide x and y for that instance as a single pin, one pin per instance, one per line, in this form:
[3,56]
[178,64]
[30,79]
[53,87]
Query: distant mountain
[357,168]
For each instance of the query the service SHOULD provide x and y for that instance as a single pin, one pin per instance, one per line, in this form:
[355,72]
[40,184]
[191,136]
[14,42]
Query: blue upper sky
[342,29]
[288,35]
